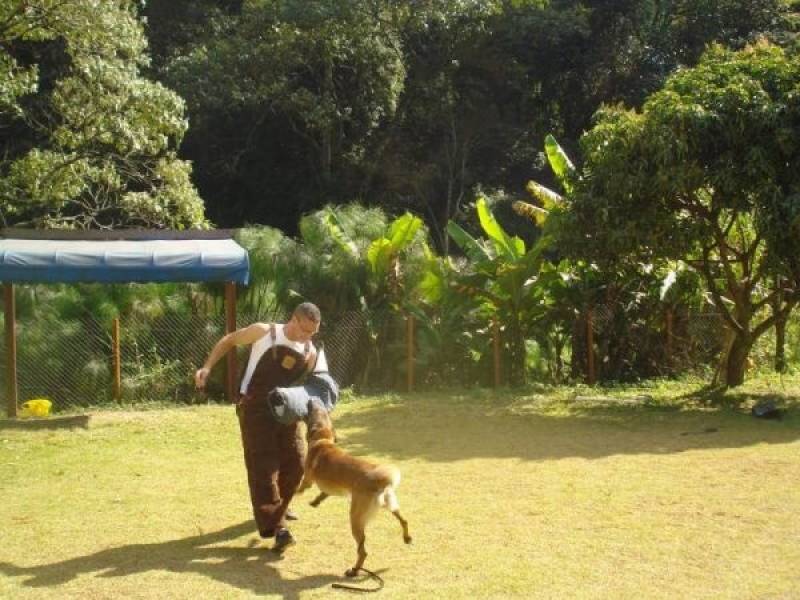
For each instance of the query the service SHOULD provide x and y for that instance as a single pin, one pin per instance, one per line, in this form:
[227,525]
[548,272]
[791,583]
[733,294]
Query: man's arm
[240,337]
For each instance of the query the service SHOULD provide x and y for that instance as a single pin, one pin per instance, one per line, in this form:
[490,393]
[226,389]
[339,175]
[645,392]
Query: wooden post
[11,349]
[669,336]
[590,375]
[496,348]
[115,360]
[410,352]
[230,326]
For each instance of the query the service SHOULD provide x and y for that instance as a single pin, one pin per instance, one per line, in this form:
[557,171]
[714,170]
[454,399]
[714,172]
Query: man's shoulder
[265,328]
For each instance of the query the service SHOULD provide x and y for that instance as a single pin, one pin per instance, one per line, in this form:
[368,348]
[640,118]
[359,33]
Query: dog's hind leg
[389,500]
[404,524]
[361,508]
[318,500]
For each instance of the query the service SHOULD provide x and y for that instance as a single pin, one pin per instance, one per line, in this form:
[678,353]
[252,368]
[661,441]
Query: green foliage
[559,161]
[93,141]
[411,105]
[552,202]
[265,246]
[383,253]
[351,258]
[505,281]
[322,76]
[699,174]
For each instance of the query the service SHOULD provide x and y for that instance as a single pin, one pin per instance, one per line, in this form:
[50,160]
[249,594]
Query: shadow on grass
[71,422]
[247,568]
[735,398]
[445,429]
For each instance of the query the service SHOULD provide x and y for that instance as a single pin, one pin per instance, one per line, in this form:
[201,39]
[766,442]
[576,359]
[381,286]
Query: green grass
[546,493]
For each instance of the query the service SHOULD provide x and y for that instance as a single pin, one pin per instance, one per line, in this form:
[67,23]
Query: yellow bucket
[38,407]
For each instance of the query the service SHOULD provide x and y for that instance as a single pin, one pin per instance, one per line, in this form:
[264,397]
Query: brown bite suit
[274,453]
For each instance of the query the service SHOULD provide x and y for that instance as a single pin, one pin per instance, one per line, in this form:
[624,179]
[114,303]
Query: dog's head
[319,423]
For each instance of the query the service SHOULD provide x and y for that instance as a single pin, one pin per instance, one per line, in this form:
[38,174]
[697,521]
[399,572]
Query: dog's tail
[386,478]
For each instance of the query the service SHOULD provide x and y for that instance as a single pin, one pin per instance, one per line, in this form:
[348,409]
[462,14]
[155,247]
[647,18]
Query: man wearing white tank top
[269,409]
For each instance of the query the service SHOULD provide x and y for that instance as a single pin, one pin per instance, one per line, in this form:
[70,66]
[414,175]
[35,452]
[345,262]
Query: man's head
[304,322]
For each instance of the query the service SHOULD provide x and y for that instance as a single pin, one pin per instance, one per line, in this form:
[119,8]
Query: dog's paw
[407,539]
[351,573]
[318,500]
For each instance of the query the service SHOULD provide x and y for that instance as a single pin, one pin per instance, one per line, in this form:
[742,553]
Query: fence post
[230,326]
[9,306]
[410,352]
[590,375]
[496,351]
[116,360]
[669,318]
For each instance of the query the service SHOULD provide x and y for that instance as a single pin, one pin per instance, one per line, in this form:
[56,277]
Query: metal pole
[11,349]
[669,336]
[590,347]
[410,352]
[496,347]
[230,326]
[116,359]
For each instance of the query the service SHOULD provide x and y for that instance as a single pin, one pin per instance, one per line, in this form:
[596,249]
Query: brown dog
[336,473]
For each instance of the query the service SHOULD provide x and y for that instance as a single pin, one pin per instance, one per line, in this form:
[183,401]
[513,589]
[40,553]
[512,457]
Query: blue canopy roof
[117,261]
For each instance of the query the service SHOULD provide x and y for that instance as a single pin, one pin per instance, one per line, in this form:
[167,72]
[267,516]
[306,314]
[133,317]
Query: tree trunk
[736,361]
[780,345]
[780,330]
[558,347]
[577,366]
[518,354]
[327,133]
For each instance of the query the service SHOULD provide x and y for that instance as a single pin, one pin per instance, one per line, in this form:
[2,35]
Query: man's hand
[200,378]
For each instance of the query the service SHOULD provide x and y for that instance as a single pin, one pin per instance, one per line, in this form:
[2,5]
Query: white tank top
[265,342]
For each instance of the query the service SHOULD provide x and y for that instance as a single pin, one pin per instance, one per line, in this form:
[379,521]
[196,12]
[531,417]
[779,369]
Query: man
[269,411]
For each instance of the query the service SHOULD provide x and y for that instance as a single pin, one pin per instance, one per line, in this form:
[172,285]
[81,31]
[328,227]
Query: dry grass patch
[530,495]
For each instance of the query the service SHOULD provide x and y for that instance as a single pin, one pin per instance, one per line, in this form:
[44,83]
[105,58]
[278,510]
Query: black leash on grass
[352,588]
[706,430]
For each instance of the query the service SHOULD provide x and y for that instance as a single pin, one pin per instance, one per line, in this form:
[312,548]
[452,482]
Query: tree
[284,97]
[87,141]
[405,104]
[172,26]
[707,172]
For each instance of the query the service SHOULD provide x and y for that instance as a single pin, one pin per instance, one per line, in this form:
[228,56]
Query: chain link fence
[652,343]
[70,361]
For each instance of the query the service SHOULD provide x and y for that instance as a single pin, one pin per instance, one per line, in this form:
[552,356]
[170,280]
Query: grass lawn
[534,494]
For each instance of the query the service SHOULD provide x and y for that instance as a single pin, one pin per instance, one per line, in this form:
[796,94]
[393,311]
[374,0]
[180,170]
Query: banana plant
[382,258]
[566,281]
[564,170]
[387,283]
[505,276]
[384,254]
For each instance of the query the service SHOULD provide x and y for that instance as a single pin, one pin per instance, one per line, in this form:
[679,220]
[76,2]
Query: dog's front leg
[318,500]
[305,484]
[359,513]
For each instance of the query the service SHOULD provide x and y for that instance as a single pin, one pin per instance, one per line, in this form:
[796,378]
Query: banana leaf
[472,248]
[559,161]
[402,230]
[513,248]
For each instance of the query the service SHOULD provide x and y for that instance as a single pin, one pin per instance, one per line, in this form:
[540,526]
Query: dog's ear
[310,410]
[314,420]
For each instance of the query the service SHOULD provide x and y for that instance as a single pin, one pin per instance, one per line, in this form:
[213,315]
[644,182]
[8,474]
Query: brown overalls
[273,453]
